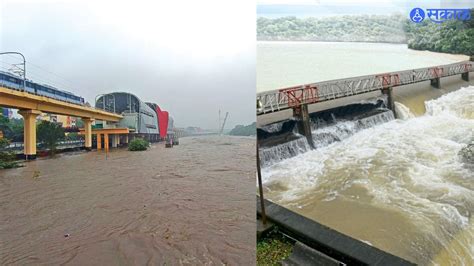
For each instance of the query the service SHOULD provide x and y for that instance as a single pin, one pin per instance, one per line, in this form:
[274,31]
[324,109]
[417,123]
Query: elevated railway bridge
[277,105]
[31,105]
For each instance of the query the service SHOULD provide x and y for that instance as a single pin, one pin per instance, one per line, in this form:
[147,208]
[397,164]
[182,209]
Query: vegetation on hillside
[452,36]
[360,28]
[241,130]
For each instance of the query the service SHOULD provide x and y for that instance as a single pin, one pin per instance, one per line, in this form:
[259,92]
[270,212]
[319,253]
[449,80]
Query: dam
[383,171]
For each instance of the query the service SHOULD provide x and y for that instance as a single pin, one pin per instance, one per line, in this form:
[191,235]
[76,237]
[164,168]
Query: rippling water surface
[400,186]
[185,205]
[284,64]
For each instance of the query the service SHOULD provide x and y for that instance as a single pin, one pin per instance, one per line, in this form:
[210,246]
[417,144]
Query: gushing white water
[323,135]
[277,153]
[403,112]
[400,185]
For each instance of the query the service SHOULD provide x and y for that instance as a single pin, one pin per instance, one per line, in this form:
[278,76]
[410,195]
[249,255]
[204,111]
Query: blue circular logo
[417,15]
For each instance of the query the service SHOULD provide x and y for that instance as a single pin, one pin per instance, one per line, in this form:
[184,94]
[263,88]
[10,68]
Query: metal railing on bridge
[278,100]
[18,146]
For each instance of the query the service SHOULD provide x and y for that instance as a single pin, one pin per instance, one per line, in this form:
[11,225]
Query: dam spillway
[397,184]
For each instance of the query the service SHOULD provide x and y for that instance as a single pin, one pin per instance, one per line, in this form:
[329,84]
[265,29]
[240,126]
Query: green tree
[50,133]
[7,159]
[79,123]
[453,36]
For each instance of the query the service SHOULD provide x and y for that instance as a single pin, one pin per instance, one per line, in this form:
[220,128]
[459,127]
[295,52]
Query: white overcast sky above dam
[190,57]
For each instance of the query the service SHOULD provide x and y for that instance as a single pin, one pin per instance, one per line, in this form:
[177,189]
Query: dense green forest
[449,37]
[363,28]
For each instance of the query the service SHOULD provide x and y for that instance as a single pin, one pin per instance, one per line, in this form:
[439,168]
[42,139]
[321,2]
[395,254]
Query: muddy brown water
[187,205]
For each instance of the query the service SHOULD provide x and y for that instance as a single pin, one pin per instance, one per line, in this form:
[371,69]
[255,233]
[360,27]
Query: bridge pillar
[99,141]
[88,133]
[115,140]
[29,133]
[389,92]
[106,142]
[303,123]
[465,76]
[436,82]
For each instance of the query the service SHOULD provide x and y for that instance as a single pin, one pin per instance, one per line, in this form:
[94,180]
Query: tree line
[449,37]
[361,28]
[452,36]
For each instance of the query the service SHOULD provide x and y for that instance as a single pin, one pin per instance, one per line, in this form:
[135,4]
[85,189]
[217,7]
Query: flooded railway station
[186,205]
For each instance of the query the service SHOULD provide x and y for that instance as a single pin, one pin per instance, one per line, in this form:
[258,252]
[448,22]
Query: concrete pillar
[465,76]
[29,133]
[99,141]
[390,102]
[436,82]
[88,133]
[126,139]
[389,93]
[303,123]
[114,140]
[106,142]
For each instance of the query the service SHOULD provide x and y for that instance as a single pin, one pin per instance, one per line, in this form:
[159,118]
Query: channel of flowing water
[189,205]
[397,184]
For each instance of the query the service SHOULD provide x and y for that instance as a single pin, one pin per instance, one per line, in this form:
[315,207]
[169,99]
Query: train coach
[11,81]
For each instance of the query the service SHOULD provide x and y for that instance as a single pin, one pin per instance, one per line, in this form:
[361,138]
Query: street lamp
[24,67]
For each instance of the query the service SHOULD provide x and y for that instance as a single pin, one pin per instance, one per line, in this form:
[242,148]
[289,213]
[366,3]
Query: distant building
[63,120]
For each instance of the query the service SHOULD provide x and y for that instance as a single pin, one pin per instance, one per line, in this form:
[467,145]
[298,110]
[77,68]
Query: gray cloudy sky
[191,57]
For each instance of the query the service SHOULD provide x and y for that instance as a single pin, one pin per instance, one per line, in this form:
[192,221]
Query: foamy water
[400,185]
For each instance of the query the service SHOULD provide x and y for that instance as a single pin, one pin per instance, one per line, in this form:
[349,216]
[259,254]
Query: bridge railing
[277,100]
[61,144]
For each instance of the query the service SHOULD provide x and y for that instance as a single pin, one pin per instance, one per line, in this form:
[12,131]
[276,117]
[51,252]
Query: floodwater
[182,206]
[400,186]
[284,64]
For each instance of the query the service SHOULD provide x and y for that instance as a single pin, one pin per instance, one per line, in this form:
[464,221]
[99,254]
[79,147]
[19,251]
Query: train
[14,82]
[137,115]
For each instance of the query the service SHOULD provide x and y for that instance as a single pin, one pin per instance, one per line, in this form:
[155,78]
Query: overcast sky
[191,57]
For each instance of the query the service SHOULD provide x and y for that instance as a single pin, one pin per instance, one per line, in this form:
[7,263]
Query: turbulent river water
[189,205]
[398,184]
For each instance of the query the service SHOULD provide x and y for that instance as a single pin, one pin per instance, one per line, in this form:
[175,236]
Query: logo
[417,15]
[439,15]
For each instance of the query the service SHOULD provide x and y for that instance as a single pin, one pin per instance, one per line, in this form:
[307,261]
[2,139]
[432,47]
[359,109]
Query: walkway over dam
[299,101]
[289,98]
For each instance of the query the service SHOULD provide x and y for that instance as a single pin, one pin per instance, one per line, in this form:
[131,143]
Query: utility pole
[24,67]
